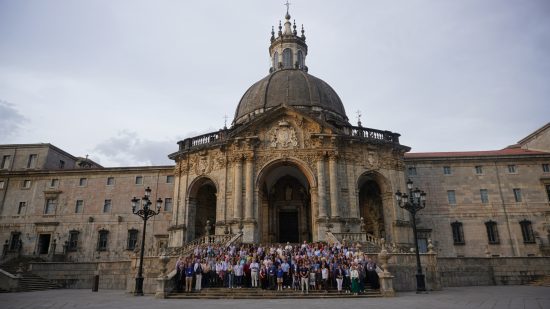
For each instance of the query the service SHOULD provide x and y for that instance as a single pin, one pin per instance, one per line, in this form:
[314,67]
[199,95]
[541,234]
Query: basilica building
[291,164]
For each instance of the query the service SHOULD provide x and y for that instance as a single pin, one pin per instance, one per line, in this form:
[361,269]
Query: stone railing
[190,246]
[331,238]
[202,140]
[372,134]
[373,242]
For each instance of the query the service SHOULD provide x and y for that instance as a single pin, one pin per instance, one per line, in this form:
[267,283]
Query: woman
[354,275]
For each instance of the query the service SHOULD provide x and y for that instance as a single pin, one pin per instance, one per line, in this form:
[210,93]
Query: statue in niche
[288,193]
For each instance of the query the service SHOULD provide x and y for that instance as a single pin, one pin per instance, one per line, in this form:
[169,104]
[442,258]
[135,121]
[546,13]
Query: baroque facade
[290,168]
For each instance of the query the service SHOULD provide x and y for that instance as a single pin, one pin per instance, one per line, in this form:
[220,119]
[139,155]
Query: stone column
[238,190]
[333,177]
[249,188]
[321,187]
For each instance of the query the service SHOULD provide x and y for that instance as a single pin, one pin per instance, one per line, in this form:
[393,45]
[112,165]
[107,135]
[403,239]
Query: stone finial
[362,224]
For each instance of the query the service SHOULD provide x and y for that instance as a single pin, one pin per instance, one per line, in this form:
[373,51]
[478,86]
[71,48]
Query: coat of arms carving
[283,136]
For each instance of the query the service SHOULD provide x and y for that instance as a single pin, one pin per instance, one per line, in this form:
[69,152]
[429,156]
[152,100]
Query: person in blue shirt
[280,274]
[189,271]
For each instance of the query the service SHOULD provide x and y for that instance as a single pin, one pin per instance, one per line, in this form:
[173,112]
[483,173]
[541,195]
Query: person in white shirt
[254,270]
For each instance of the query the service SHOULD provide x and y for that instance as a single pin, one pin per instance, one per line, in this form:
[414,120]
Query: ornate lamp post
[145,212]
[413,203]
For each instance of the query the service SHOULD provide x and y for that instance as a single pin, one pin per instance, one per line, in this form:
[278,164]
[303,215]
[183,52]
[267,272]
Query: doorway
[44,243]
[288,227]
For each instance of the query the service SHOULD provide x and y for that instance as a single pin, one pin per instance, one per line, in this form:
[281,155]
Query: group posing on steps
[309,266]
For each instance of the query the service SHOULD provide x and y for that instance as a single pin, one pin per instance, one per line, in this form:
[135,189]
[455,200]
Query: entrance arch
[371,203]
[284,195]
[202,206]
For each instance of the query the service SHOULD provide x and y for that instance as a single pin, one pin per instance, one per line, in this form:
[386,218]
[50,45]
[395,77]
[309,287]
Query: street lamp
[145,212]
[413,203]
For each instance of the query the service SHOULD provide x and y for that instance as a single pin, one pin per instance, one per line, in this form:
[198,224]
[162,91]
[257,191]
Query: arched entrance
[202,206]
[371,205]
[285,204]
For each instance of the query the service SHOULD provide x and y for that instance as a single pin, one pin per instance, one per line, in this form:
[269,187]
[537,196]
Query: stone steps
[28,281]
[251,293]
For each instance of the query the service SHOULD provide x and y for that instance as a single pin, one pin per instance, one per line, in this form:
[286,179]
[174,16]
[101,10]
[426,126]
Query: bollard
[95,286]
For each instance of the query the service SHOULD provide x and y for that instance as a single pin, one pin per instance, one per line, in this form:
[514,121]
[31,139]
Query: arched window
[276,60]
[287,58]
[492,232]
[300,59]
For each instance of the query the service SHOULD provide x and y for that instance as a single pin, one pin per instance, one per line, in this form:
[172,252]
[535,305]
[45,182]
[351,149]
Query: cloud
[128,149]
[10,121]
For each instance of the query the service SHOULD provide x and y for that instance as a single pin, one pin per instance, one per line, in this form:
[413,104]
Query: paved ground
[498,297]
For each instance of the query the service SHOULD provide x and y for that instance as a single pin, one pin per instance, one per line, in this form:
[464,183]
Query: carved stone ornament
[282,136]
[203,165]
[372,160]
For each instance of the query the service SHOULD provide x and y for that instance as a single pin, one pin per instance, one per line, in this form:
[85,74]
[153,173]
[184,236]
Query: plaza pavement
[498,297]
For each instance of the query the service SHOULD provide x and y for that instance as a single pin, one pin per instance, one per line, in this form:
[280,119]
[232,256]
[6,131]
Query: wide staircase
[28,281]
[257,293]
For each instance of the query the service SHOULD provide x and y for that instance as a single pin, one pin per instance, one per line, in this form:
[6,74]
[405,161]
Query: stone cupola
[288,50]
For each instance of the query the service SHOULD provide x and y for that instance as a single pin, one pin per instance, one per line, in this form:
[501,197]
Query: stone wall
[112,275]
[491,271]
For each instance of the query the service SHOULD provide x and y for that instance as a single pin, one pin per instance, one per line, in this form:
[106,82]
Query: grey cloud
[127,148]
[11,121]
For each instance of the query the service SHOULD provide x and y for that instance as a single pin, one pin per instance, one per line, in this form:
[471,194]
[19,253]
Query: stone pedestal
[161,287]
[386,284]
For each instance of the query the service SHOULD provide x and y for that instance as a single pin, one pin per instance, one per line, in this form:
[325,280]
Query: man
[254,270]
[304,278]
[286,273]
[198,275]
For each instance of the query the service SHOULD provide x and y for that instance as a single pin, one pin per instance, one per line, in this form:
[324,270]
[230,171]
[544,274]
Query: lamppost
[145,212]
[413,203]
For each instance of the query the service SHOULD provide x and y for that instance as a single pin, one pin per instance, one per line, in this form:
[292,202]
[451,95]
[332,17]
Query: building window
[170,179]
[139,180]
[484,196]
[102,240]
[73,240]
[511,169]
[168,204]
[517,195]
[446,170]
[451,197]
[287,58]
[479,169]
[83,182]
[132,239]
[458,233]
[54,183]
[15,241]
[61,164]
[546,168]
[26,184]
[2,184]
[21,208]
[50,206]
[527,232]
[412,171]
[276,60]
[492,232]
[107,206]
[548,192]
[110,181]
[6,162]
[300,59]
[31,163]
[79,206]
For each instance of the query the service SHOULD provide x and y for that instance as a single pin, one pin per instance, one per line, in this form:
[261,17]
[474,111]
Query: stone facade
[508,187]
[61,212]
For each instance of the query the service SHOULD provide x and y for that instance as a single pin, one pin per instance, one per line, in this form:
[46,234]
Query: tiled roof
[488,153]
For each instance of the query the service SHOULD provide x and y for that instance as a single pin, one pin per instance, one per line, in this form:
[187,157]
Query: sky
[123,80]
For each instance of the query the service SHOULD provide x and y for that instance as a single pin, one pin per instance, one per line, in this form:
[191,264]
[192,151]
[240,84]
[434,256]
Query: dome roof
[292,87]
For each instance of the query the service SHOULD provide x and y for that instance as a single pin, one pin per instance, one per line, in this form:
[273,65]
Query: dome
[291,87]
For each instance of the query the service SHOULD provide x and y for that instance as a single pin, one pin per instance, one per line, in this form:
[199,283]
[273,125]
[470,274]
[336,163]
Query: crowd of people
[309,266]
